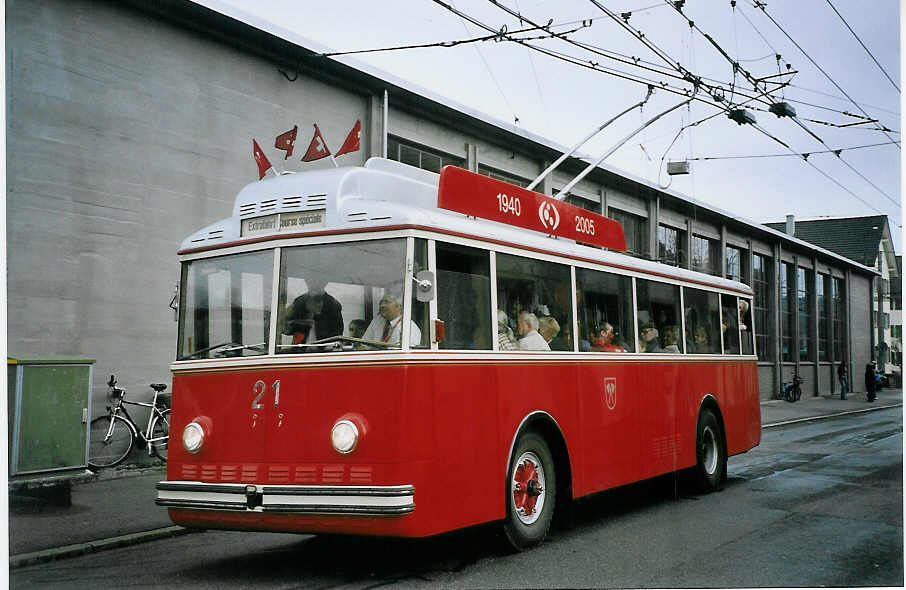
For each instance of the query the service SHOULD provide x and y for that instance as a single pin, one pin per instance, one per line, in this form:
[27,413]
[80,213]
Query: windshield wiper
[259,346]
[233,347]
[336,343]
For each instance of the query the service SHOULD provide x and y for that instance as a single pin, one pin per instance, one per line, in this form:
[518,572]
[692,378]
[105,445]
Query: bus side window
[659,317]
[464,296]
[745,325]
[533,288]
[702,315]
[730,323]
[604,310]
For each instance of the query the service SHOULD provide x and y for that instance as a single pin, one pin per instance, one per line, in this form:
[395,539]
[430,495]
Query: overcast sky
[564,102]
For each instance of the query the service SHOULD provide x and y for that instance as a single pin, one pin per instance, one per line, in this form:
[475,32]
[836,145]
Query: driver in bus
[385,327]
[314,315]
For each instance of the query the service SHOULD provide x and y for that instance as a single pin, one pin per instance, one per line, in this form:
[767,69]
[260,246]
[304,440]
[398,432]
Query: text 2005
[585,225]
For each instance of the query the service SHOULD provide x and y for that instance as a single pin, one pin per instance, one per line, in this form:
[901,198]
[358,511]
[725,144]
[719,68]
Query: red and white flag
[353,140]
[286,140]
[317,149]
[263,163]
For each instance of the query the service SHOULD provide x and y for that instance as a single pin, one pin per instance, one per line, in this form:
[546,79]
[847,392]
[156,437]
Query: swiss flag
[317,149]
[286,140]
[352,140]
[263,163]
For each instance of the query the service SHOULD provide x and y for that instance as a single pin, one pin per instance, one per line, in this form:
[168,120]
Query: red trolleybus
[382,350]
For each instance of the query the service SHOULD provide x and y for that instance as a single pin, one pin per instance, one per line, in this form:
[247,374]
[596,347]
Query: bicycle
[113,436]
[792,391]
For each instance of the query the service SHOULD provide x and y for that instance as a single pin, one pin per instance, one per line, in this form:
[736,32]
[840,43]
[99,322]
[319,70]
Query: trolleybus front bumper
[287,499]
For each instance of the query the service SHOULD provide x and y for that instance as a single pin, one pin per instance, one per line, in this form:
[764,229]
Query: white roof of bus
[386,193]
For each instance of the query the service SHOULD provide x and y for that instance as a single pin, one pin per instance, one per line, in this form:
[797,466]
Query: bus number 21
[508,204]
[260,388]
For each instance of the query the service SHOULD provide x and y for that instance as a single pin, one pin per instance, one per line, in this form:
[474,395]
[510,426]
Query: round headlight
[344,436]
[192,437]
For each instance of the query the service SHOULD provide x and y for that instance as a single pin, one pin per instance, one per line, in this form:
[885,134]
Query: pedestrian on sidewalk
[841,375]
[870,382]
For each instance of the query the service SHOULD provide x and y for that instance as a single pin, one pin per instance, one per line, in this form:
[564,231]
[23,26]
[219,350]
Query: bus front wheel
[531,492]
[711,457]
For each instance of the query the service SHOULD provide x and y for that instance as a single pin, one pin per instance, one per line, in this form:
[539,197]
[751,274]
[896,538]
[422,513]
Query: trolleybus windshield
[331,298]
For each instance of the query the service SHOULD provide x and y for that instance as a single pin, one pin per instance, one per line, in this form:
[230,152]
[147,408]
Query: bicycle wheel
[109,451]
[160,429]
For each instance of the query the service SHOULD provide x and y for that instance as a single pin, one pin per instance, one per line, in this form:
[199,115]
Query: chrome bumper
[287,499]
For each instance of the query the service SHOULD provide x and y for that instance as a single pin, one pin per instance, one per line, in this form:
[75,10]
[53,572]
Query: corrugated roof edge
[292,37]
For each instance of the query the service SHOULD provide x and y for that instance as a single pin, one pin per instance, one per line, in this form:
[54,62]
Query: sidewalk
[116,507]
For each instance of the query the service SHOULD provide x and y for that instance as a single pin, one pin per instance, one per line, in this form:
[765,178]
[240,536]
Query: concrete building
[867,240]
[129,126]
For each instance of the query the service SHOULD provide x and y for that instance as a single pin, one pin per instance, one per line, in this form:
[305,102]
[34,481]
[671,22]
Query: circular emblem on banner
[550,217]
[610,392]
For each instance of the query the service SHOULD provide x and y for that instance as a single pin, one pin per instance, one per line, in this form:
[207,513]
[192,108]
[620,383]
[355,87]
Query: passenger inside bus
[549,328]
[699,343]
[671,339]
[357,328]
[648,339]
[602,339]
[314,315]
[506,340]
[529,338]
[385,327]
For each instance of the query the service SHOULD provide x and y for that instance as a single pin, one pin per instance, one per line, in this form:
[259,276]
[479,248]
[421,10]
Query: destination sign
[293,221]
[481,196]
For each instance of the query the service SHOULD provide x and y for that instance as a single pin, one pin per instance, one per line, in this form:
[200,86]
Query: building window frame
[671,245]
[736,264]
[420,156]
[805,293]
[787,280]
[705,255]
[762,284]
[635,228]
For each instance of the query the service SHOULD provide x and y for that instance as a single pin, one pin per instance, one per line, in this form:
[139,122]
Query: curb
[25,559]
[829,416]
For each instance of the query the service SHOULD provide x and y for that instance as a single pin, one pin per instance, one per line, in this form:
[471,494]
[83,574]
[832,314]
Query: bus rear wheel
[711,456]
[531,492]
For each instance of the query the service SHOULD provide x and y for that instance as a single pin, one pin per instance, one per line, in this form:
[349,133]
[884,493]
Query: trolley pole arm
[563,192]
[572,150]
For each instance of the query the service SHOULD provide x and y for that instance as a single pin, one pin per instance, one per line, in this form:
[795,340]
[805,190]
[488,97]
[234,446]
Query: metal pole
[562,194]
[572,150]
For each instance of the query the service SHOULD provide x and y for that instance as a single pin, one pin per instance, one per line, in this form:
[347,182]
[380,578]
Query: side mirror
[424,285]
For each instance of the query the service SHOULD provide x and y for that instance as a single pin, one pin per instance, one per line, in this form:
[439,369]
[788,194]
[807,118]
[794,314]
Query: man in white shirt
[529,338]
[385,327]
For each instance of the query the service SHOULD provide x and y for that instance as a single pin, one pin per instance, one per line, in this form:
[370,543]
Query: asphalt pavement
[115,507]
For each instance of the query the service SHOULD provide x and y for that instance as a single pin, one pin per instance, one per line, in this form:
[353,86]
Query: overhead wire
[791,155]
[493,77]
[880,67]
[678,7]
[687,75]
[502,35]
[761,5]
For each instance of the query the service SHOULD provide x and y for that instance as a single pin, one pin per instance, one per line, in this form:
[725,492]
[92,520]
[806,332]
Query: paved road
[815,504]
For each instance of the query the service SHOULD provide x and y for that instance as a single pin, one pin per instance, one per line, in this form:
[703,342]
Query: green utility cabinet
[49,401]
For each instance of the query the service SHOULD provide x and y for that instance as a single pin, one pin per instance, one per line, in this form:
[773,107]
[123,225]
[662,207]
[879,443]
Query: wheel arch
[547,427]
[709,402]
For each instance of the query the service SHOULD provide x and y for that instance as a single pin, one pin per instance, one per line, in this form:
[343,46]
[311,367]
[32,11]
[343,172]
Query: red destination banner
[481,196]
